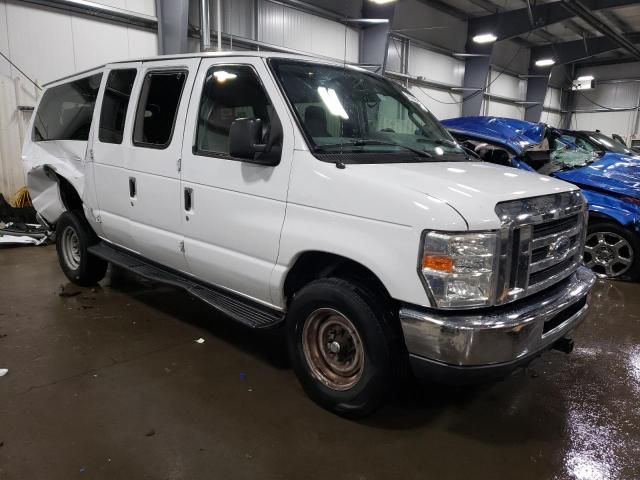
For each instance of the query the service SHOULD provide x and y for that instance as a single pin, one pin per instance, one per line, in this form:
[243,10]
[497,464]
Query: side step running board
[245,311]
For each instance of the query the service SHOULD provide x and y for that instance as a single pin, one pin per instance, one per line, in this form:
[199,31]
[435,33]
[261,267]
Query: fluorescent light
[545,62]
[485,38]
[585,78]
[332,102]
[222,76]
[382,2]
[372,21]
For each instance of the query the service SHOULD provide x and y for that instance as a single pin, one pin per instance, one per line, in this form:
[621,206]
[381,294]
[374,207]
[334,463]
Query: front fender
[622,211]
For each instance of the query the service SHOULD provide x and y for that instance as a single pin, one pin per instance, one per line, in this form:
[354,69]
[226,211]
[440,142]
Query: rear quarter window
[65,111]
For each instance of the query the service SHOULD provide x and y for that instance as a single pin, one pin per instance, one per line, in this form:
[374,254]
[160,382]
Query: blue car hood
[515,134]
[613,172]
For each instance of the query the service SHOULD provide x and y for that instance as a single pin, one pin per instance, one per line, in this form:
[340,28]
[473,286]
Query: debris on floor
[68,291]
[3,372]
[150,433]
[200,340]
[17,233]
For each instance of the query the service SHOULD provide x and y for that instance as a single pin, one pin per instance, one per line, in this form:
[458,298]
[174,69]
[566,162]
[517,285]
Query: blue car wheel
[612,251]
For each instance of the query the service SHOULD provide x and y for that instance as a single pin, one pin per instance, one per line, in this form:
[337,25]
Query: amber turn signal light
[440,263]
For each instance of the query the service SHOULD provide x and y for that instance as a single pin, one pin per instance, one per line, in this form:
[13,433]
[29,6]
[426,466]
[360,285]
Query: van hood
[613,172]
[471,188]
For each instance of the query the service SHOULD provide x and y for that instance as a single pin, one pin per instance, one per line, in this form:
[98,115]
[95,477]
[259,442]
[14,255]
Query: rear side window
[157,108]
[230,92]
[65,111]
[115,103]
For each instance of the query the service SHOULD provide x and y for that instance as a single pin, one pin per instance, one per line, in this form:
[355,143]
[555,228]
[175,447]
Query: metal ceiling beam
[514,23]
[579,50]
[582,11]
[446,8]
[93,9]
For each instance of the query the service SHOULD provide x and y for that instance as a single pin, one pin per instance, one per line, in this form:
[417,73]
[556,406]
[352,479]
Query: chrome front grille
[542,241]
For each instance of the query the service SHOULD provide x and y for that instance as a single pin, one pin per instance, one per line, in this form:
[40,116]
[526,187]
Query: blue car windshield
[570,154]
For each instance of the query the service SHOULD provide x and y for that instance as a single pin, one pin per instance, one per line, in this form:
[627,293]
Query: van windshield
[362,117]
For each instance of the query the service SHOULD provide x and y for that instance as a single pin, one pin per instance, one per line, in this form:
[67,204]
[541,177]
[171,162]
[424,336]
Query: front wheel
[612,251]
[344,346]
[73,238]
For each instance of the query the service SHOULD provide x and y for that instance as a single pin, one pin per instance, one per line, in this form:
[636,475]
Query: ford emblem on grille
[558,250]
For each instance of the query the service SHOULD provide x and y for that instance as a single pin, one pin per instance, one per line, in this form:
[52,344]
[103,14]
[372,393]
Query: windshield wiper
[372,141]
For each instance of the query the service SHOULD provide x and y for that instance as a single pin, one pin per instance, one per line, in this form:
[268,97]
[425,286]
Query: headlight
[458,268]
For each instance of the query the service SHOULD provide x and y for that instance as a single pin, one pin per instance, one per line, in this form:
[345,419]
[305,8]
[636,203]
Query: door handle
[132,187]
[188,199]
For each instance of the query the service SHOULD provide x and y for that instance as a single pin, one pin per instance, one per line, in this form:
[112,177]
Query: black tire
[383,351]
[78,265]
[610,232]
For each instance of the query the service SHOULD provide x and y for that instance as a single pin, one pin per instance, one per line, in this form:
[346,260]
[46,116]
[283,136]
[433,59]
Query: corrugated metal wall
[288,27]
[508,86]
[47,44]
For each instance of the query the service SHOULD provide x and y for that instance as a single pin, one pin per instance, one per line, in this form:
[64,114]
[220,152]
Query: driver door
[233,210]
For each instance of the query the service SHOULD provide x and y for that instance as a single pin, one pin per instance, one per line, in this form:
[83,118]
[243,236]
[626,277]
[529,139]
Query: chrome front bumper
[501,335]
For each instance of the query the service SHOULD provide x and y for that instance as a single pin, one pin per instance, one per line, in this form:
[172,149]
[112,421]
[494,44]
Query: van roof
[158,58]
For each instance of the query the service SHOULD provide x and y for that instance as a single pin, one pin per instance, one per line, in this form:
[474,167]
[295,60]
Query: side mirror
[245,137]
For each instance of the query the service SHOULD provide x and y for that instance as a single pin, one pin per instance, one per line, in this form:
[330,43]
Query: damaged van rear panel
[54,156]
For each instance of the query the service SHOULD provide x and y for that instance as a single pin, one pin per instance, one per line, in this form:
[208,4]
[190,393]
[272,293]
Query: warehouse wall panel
[622,123]
[107,43]
[435,66]
[553,98]
[507,85]
[146,7]
[441,104]
[500,109]
[41,41]
[551,118]
[288,27]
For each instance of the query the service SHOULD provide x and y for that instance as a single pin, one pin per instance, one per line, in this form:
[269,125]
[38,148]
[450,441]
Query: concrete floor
[111,384]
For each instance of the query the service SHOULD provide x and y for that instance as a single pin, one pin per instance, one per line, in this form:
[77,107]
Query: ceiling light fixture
[585,78]
[485,38]
[382,2]
[545,62]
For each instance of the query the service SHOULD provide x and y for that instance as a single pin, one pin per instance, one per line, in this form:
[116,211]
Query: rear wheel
[612,251]
[344,346]
[73,238]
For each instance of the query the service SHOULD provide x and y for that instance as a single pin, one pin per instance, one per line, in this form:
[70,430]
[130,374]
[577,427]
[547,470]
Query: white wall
[288,27]
[617,86]
[435,66]
[442,104]
[610,95]
[552,101]
[508,86]
[47,44]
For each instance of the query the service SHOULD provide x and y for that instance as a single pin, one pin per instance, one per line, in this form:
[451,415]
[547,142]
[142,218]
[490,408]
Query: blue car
[610,182]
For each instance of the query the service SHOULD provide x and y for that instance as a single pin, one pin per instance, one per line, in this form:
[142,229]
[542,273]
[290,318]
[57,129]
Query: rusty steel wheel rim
[333,349]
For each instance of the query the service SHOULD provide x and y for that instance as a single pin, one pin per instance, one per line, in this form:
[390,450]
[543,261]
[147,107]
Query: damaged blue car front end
[609,181]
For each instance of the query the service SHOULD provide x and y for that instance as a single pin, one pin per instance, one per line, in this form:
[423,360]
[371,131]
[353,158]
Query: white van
[283,190]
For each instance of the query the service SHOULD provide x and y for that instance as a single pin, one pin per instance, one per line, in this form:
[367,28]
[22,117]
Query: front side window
[158,108]
[230,92]
[65,111]
[366,117]
[115,103]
